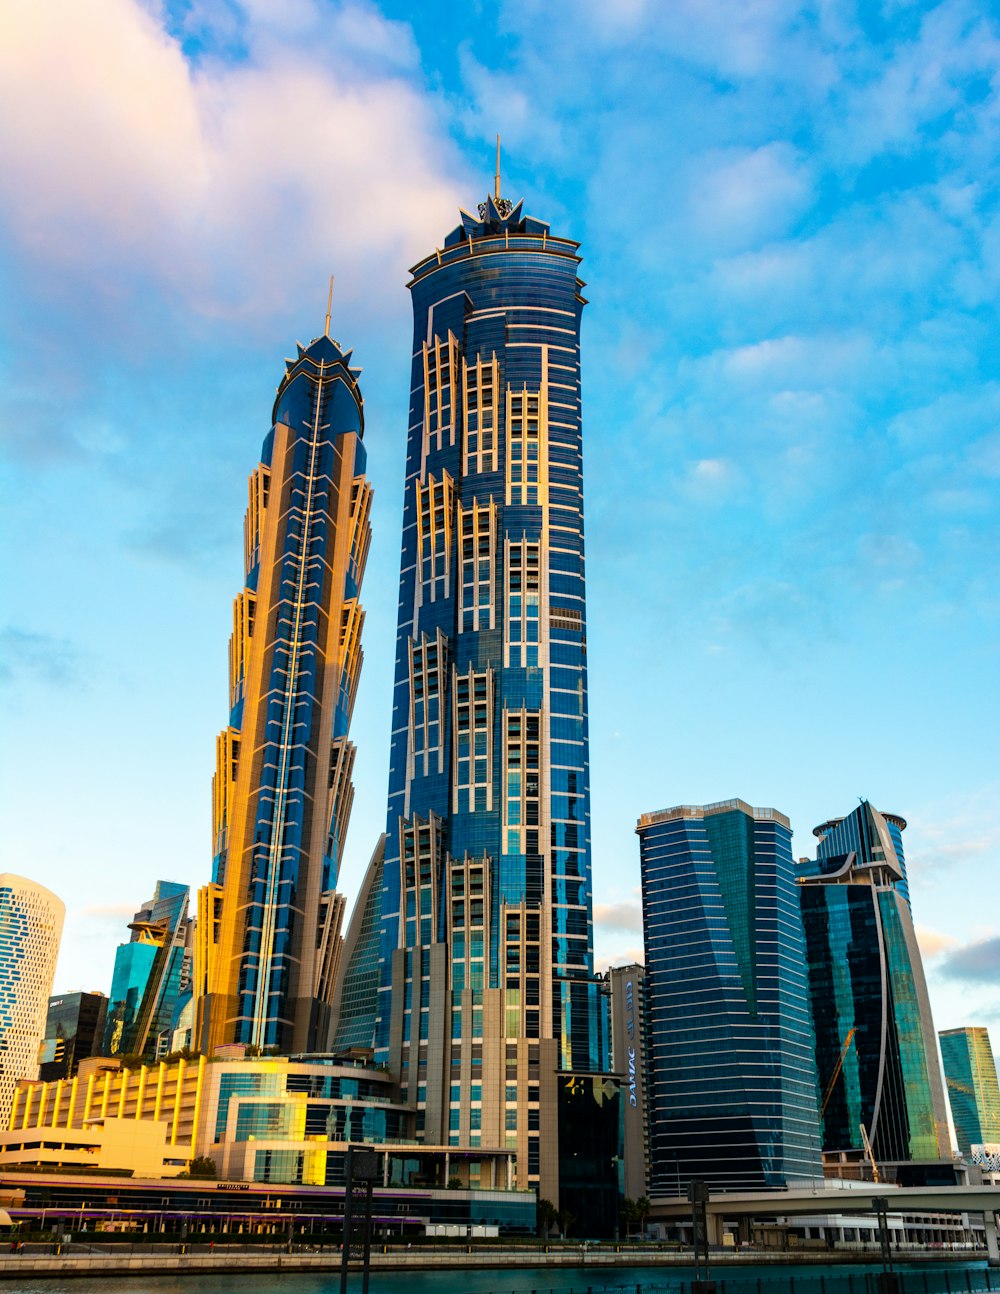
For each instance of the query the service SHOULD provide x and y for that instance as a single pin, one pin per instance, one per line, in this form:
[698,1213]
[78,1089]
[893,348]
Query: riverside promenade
[124,1260]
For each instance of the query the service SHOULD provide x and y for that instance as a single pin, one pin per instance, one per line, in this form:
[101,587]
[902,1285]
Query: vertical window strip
[522,775]
[435,510]
[441,360]
[525,446]
[428,661]
[480,385]
[523,583]
[477,550]
[472,731]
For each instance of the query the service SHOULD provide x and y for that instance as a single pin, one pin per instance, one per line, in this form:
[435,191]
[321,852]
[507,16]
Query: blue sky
[791,232]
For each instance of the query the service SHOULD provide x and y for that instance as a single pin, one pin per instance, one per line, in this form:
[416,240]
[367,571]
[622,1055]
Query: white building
[31,922]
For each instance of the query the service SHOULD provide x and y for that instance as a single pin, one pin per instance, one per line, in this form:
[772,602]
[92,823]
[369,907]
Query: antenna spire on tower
[329,308]
[496,182]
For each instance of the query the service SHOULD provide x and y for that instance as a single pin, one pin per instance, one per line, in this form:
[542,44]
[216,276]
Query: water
[938,1278]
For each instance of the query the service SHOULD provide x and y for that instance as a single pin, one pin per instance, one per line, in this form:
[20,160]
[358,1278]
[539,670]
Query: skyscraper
[971,1075]
[487,994]
[152,976]
[269,923]
[730,1074]
[876,1053]
[31,922]
[74,1031]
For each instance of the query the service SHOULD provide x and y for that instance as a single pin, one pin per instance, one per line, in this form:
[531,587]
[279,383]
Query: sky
[790,224]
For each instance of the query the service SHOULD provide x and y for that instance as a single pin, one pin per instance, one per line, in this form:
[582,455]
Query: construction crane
[870,1155]
[837,1068]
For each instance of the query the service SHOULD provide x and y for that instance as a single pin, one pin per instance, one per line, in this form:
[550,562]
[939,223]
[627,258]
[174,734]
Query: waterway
[937,1278]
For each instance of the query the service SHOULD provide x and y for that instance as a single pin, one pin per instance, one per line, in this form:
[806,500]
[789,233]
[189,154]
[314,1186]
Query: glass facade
[971,1075]
[151,978]
[74,1030]
[877,1069]
[485,952]
[730,1072]
[269,923]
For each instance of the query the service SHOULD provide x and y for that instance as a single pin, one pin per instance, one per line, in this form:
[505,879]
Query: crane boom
[837,1068]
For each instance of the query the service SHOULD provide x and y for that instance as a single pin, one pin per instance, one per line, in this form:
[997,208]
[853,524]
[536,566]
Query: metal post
[698,1195]
[361,1173]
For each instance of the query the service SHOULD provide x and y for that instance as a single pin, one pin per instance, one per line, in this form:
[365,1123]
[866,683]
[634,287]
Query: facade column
[992,1246]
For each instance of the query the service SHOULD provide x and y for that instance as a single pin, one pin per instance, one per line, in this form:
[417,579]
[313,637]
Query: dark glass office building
[876,1054]
[730,1072]
[74,1030]
[268,938]
[487,990]
[971,1075]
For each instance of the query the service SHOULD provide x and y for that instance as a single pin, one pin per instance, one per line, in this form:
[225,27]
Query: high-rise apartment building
[730,1073]
[880,1088]
[970,1073]
[268,935]
[74,1031]
[152,976]
[31,922]
[488,1002]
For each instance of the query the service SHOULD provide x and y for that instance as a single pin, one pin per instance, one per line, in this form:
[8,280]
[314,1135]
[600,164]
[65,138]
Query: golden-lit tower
[268,937]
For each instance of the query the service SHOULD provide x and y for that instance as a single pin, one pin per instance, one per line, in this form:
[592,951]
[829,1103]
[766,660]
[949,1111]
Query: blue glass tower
[152,973]
[484,940]
[268,937]
[876,1052]
[730,1074]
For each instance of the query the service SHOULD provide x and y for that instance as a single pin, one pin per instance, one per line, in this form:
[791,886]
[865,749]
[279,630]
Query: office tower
[152,976]
[731,1079]
[880,1089]
[971,1076]
[31,922]
[74,1030]
[627,991]
[487,996]
[268,937]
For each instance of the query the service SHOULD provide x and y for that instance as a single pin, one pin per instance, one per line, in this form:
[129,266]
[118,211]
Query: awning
[5,1219]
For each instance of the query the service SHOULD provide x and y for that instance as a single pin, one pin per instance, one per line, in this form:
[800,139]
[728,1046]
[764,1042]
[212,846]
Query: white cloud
[618,916]
[228,183]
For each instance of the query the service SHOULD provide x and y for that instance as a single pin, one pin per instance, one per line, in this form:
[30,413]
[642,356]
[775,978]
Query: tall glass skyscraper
[730,1073]
[971,1074]
[152,975]
[876,1052]
[31,922]
[268,936]
[484,940]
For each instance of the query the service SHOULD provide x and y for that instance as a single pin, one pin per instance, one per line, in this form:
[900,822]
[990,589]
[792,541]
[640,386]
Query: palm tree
[642,1207]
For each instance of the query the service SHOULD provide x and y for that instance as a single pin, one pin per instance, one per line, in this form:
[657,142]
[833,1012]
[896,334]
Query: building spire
[329,308]
[496,181]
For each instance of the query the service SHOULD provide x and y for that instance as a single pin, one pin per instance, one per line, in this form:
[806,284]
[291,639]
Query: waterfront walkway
[125,1260]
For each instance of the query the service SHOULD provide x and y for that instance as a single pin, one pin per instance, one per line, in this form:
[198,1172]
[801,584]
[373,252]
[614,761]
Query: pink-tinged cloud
[227,183]
[932,942]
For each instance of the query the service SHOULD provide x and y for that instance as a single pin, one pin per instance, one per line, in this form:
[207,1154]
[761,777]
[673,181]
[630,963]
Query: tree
[642,1207]
[202,1166]
[545,1215]
[565,1220]
[628,1216]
